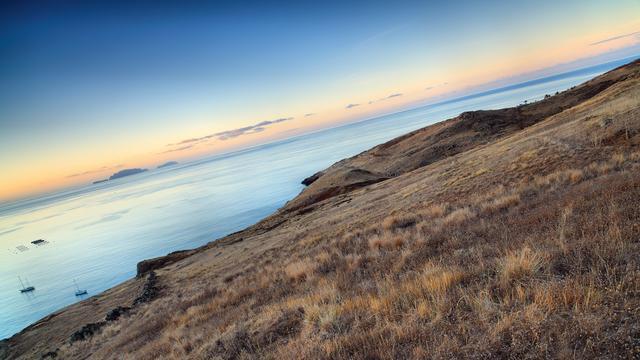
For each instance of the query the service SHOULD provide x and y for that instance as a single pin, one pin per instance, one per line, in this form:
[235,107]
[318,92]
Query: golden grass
[518,266]
[458,216]
[299,270]
[400,221]
[479,277]
[541,261]
[386,241]
[501,203]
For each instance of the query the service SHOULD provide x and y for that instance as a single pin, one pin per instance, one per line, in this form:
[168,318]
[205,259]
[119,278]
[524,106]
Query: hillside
[509,233]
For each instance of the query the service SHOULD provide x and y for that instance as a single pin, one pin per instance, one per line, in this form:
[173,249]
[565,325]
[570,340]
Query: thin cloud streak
[182,148]
[386,98]
[615,38]
[350,106]
[225,135]
[89,172]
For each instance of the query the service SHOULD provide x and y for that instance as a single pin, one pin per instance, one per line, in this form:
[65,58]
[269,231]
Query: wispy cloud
[636,33]
[181,148]
[89,172]
[225,135]
[309,114]
[385,98]
[351,106]
[431,87]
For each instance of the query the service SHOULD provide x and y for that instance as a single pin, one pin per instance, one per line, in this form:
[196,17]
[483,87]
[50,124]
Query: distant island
[126,172]
[121,174]
[168,163]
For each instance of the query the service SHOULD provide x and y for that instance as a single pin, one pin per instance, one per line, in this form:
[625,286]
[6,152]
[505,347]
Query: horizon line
[443,100]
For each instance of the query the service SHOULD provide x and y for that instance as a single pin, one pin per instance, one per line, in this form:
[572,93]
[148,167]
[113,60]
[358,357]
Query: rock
[605,122]
[50,354]
[308,181]
[115,313]
[87,331]
[145,266]
[149,291]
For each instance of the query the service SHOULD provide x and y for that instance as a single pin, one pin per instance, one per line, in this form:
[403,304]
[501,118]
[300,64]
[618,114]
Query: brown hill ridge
[508,233]
[430,144]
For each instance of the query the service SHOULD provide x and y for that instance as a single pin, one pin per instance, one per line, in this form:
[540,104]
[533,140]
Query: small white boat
[79,292]
[26,289]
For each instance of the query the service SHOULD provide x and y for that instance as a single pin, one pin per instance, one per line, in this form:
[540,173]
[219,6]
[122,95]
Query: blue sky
[88,85]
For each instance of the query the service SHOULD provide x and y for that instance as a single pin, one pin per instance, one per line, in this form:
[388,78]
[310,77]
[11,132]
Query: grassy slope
[523,243]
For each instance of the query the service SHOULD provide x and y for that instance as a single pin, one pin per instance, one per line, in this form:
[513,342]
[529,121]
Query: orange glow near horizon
[91,163]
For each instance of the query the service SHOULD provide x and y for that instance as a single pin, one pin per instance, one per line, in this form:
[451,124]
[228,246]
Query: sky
[91,87]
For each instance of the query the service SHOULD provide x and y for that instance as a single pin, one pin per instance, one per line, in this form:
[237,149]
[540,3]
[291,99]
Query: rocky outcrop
[149,290]
[145,266]
[308,181]
[87,331]
[115,313]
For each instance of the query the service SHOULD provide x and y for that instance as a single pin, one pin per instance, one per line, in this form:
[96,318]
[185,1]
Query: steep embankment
[504,233]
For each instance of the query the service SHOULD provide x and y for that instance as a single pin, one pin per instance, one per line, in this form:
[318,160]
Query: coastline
[335,187]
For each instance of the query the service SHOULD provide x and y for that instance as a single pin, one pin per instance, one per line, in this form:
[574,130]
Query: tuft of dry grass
[518,266]
[386,241]
[299,270]
[400,221]
[434,211]
[499,204]
[458,216]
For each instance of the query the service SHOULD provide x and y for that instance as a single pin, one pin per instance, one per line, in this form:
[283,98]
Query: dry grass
[386,241]
[398,222]
[346,300]
[484,281]
[518,266]
[501,203]
[434,211]
[299,270]
[458,216]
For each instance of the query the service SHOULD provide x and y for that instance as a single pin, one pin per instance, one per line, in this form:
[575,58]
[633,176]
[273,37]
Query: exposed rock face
[145,266]
[50,355]
[149,291]
[87,331]
[308,181]
[115,313]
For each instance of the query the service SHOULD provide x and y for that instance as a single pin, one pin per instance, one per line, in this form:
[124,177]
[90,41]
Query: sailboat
[25,289]
[79,292]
